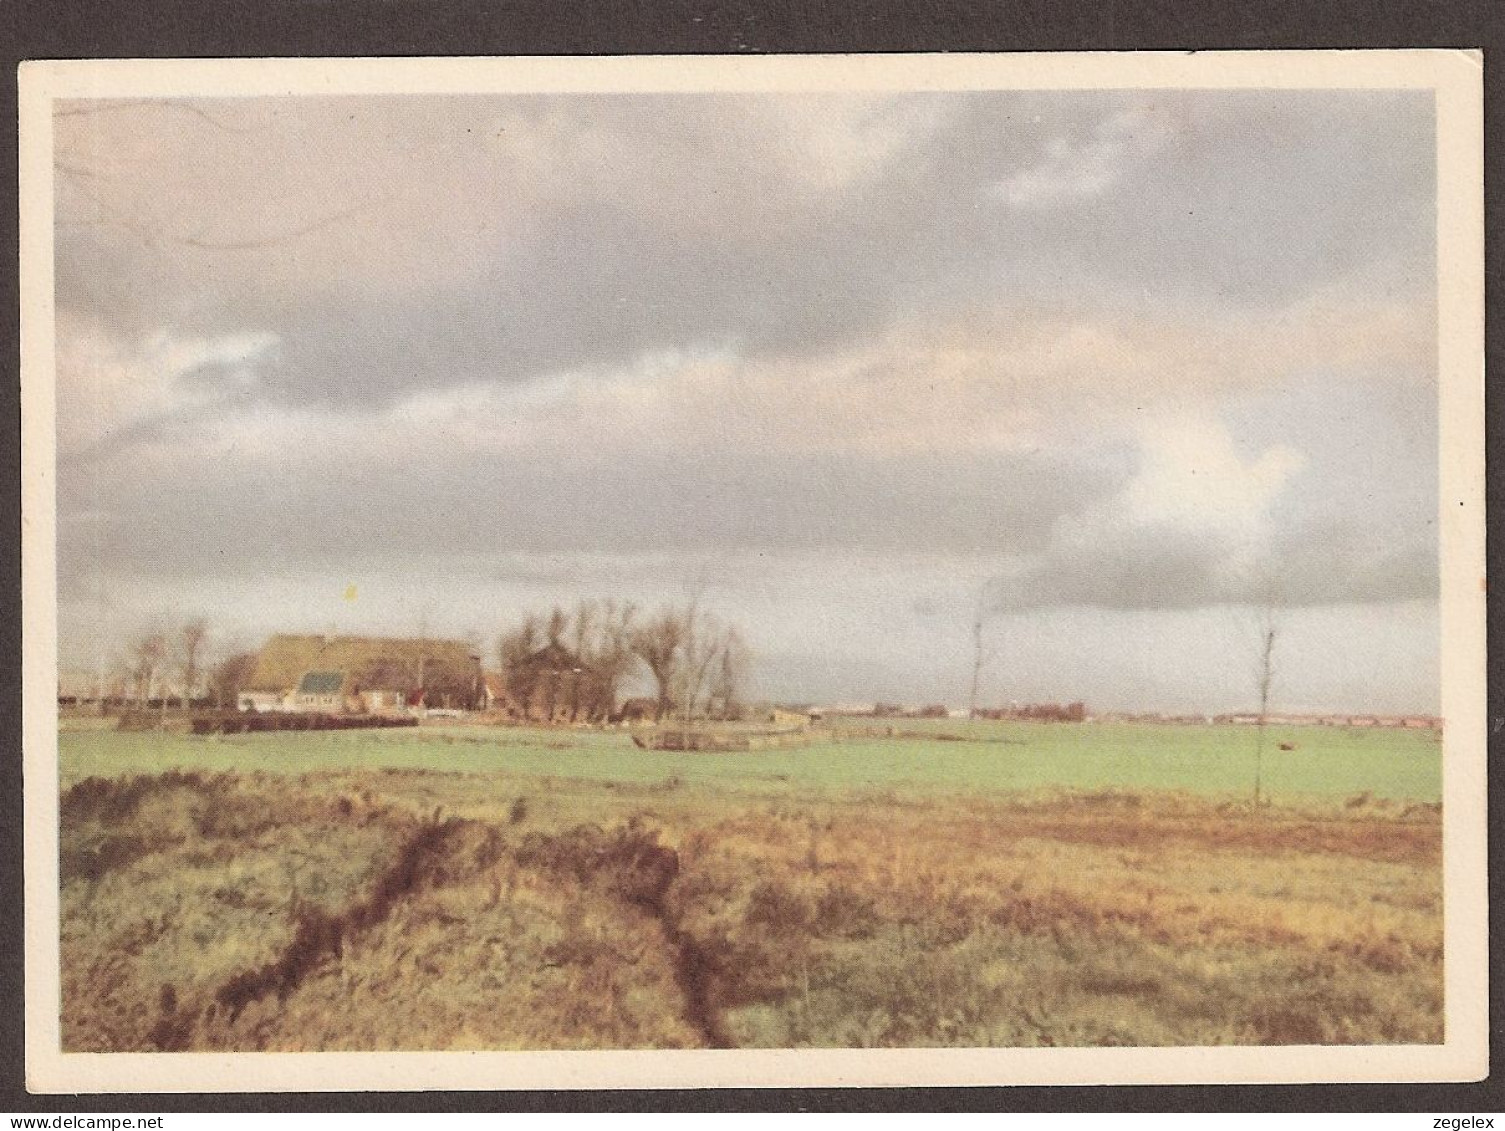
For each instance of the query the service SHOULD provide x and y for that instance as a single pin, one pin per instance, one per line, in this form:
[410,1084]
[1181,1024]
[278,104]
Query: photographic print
[867,570]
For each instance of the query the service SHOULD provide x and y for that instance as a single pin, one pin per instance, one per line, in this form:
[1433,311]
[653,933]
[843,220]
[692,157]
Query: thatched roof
[372,662]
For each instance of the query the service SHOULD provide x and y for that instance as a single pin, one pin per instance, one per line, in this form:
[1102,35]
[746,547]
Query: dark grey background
[33,29]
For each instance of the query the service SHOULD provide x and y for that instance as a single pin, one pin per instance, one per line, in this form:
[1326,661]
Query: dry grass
[416,910]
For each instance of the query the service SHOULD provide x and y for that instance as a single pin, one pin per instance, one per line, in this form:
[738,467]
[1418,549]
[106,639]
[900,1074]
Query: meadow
[467,887]
[1217,761]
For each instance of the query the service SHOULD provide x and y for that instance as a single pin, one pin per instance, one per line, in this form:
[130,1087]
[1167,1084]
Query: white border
[1457,79]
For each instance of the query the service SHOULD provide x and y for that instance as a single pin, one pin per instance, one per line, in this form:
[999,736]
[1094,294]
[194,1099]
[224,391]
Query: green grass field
[1217,761]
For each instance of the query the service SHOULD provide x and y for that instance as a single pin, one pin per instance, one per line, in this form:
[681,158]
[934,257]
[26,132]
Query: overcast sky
[1137,361]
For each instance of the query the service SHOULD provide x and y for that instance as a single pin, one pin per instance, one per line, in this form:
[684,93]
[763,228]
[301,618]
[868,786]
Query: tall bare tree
[659,644]
[512,651]
[607,656]
[230,676]
[558,622]
[148,656]
[981,655]
[730,676]
[583,638]
[192,638]
[700,650]
[1266,631]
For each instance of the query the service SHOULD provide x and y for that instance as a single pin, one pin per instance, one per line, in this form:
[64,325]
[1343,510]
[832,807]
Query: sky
[1127,367]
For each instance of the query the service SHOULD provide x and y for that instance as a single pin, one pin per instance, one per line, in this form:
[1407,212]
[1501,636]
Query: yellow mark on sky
[350,593]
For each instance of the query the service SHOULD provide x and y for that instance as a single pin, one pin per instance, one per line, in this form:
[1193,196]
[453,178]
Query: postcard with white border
[727,571]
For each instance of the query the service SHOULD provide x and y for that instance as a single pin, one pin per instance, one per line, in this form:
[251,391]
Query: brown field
[406,909]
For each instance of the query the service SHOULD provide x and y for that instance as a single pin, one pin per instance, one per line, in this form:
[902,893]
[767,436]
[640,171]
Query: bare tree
[727,683]
[980,657]
[583,629]
[558,621]
[148,655]
[1267,629]
[701,647]
[658,643]
[709,666]
[608,657]
[191,640]
[512,652]
[230,676]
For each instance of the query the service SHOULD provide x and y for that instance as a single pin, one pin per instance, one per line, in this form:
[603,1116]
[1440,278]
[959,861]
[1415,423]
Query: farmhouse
[362,674]
[324,691]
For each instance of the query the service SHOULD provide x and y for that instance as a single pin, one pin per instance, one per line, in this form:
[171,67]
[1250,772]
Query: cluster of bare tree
[572,665]
[698,663]
[161,664]
[569,665]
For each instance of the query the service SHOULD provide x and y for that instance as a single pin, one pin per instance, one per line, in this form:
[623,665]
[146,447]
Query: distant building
[325,691]
[549,685]
[261,701]
[374,674]
[1291,720]
[851,709]
[778,716]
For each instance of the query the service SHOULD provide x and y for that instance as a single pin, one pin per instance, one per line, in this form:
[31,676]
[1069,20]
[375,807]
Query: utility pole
[979,659]
[976,653]
[1266,676]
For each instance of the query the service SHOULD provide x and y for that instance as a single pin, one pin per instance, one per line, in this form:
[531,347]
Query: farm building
[261,701]
[779,716]
[324,691]
[362,674]
[551,684]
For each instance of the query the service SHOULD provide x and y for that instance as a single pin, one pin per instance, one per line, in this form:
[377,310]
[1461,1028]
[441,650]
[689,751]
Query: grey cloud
[1241,195]
[1165,567]
[1357,524]
[1331,563]
[687,225]
[240,516]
